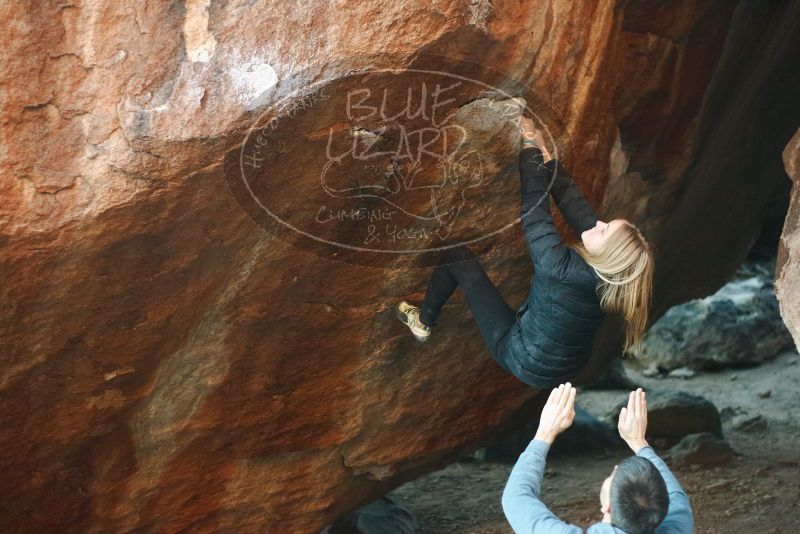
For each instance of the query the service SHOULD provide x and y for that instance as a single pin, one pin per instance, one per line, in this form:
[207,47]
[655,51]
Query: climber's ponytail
[625,267]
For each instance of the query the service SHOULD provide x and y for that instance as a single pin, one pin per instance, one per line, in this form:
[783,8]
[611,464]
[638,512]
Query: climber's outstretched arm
[568,196]
[570,200]
[544,244]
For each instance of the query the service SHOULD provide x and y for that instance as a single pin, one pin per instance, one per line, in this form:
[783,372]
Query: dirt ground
[758,492]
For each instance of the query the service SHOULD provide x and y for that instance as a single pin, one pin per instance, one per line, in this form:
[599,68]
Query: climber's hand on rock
[557,414]
[527,128]
[633,420]
[530,133]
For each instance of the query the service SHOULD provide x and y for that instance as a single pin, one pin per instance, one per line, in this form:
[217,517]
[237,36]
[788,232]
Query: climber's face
[594,238]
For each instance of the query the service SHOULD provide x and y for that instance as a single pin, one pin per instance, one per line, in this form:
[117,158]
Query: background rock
[168,365]
[744,423]
[383,516]
[682,372]
[787,269]
[738,325]
[701,449]
[671,415]
[587,433]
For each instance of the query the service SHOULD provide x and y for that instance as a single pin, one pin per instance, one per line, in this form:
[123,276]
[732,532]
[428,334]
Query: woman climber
[549,338]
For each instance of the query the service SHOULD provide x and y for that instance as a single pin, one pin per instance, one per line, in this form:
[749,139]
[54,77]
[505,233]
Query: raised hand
[632,424]
[557,414]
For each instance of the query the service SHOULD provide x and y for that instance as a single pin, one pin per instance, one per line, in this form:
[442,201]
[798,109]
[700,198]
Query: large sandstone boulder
[170,365]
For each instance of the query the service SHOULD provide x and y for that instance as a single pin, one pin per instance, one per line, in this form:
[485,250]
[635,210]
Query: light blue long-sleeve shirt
[527,514]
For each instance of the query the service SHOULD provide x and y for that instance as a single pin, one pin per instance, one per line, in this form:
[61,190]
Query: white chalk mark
[199,41]
[253,82]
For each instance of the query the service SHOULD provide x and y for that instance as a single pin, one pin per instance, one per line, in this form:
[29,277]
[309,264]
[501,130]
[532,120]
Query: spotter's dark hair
[639,499]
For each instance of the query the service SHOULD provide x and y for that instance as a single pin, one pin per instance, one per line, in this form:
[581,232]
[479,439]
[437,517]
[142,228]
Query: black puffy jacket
[555,327]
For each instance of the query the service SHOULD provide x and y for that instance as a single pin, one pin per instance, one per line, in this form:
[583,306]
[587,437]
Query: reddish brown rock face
[168,364]
[787,269]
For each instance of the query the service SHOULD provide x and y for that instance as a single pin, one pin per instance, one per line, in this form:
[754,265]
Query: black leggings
[459,267]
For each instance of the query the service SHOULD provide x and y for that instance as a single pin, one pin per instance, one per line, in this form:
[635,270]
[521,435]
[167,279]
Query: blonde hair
[625,267]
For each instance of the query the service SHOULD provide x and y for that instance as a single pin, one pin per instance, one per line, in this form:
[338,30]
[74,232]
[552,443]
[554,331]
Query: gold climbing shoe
[409,314]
